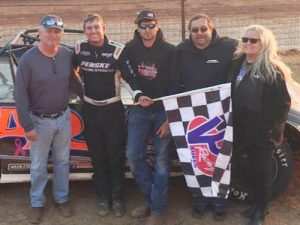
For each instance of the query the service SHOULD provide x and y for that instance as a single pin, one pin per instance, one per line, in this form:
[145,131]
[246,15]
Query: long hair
[268,62]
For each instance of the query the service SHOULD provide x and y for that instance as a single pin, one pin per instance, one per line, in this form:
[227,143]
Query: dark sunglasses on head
[144,26]
[252,40]
[53,22]
[196,30]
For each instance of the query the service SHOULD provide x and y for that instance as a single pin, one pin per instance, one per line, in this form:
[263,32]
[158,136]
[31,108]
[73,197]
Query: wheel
[283,166]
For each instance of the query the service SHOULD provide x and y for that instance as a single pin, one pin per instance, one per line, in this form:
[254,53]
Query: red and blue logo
[205,139]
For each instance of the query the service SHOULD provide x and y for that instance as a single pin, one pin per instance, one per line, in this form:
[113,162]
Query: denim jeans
[54,135]
[153,184]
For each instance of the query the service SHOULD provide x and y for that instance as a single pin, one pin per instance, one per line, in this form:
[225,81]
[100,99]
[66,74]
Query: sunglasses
[252,40]
[144,26]
[196,30]
[52,22]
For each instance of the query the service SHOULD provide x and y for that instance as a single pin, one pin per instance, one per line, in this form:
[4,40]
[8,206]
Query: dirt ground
[119,15]
[284,210]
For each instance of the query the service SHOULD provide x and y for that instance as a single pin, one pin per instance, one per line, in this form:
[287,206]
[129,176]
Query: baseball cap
[52,21]
[145,15]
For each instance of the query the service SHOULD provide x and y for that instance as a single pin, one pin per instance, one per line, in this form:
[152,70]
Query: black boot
[249,212]
[258,217]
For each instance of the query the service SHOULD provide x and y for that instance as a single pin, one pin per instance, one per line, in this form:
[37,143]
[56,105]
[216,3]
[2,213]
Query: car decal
[10,129]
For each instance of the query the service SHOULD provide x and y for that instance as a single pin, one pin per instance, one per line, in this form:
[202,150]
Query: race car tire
[283,167]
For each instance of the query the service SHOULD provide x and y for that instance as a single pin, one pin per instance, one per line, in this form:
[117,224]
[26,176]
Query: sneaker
[219,213]
[141,211]
[103,208]
[118,208]
[154,219]
[36,215]
[198,212]
[65,209]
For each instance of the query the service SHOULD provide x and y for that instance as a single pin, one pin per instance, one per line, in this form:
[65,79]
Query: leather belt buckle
[55,115]
[49,116]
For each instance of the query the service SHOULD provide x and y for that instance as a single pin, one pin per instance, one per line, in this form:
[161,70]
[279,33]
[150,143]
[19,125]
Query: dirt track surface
[15,207]
[20,11]
[229,16]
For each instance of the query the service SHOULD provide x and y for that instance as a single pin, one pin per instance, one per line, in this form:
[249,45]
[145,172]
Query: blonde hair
[268,62]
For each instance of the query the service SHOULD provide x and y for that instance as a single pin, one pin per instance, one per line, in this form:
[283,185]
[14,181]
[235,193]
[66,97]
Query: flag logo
[205,139]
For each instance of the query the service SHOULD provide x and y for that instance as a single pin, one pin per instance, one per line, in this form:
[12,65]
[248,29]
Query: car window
[6,82]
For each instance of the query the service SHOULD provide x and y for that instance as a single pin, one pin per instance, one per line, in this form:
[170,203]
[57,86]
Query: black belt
[50,116]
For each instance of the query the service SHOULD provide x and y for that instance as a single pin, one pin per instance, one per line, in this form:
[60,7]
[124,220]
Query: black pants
[105,136]
[260,156]
[259,171]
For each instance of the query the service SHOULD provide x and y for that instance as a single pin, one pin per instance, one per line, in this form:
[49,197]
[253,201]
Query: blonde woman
[260,106]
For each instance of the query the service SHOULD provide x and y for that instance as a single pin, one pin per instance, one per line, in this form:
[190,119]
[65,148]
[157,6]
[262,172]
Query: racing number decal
[10,127]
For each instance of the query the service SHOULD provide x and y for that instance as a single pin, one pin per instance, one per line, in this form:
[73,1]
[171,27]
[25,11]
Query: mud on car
[14,147]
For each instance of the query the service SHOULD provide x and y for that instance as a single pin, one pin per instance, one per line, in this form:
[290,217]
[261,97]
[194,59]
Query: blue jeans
[152,183]
[54,135]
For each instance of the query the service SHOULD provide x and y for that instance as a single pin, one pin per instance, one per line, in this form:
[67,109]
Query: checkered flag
[201,126]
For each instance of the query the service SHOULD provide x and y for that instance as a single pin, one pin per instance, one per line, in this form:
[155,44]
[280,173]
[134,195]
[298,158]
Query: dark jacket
[259,106]
[100,66]
[201,68]
[153,66]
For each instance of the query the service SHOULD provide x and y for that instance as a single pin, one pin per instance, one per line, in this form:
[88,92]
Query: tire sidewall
[283,166]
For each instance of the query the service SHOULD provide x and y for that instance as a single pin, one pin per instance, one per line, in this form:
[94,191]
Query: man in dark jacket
[205,57]
[204,60]
[151,58]
[101,61]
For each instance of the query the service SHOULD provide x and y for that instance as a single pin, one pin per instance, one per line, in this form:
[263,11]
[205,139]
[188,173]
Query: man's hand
[145,101]
[164,130]
[31,135]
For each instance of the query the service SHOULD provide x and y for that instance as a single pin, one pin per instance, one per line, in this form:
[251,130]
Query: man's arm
[173,69]
[22,99]
[130,76]
[76,84]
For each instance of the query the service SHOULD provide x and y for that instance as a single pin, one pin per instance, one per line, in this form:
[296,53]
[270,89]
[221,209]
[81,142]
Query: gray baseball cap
[52,21]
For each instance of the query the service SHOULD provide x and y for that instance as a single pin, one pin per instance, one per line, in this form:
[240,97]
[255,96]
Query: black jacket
[153,66]
[207,67]
[100,66]
[259,106]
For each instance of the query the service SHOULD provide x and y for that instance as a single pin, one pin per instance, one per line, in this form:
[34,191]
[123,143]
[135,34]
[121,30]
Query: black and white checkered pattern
[181,109]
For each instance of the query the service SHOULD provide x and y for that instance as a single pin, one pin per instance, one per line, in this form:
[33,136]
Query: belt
[101,102]
[50,116]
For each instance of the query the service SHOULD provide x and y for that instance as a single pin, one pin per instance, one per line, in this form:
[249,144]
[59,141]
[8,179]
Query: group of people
[153,68]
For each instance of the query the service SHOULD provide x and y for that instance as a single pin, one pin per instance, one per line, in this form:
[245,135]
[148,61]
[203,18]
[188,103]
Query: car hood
[294,114]
[294,91]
